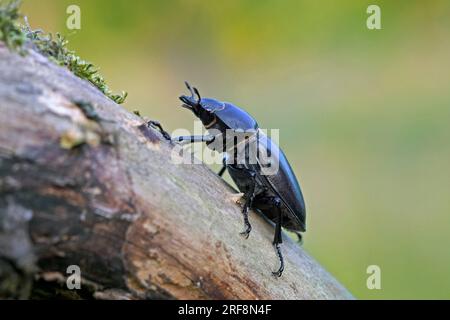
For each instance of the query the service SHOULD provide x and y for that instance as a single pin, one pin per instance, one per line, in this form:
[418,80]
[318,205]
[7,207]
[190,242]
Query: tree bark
[84,182]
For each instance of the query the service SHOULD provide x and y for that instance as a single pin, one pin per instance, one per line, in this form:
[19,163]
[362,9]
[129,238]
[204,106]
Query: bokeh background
[364,114]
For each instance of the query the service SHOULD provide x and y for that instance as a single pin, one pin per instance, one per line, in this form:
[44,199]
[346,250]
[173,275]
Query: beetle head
[203,108]
[217,114]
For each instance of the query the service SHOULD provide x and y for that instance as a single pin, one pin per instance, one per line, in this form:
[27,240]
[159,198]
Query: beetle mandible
[276,195]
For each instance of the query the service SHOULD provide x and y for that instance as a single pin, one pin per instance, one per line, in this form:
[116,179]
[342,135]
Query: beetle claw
[158,126]
[246,232]
[277,274]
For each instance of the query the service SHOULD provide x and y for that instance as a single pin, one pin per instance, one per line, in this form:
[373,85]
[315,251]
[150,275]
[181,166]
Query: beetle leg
[220,173]
[278,239]
[191,139]
[222,170]
[249,195]
[299,238]
[279,272]
[248,226]
[156,124]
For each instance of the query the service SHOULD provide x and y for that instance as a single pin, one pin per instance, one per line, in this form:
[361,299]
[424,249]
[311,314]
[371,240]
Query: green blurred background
[364,114]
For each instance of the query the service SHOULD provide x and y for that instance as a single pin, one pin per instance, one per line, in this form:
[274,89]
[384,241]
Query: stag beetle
[278,195]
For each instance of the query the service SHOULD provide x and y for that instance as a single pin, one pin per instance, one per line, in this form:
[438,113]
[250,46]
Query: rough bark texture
[97,188]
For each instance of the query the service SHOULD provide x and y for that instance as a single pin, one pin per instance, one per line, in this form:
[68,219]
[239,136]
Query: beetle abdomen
[284,184]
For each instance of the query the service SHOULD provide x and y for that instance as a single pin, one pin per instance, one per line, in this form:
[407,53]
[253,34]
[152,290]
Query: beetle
[277,195]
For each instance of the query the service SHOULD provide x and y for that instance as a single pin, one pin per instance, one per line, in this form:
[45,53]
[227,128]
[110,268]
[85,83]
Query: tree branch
[84,182]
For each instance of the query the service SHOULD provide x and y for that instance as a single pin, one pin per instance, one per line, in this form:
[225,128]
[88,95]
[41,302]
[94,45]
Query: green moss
[10,32]
[55,48]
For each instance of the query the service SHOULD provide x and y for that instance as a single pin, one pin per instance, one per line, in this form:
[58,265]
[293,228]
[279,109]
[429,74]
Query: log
[84,182]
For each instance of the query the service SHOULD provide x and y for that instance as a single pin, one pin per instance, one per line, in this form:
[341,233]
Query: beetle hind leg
[299,238]
[278,239]
[280,270]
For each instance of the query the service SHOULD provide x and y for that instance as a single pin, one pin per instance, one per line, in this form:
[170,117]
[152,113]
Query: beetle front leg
[157,125]
[192,139]
[224,161]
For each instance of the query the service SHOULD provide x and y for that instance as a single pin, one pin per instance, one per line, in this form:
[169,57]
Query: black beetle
[277,196]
